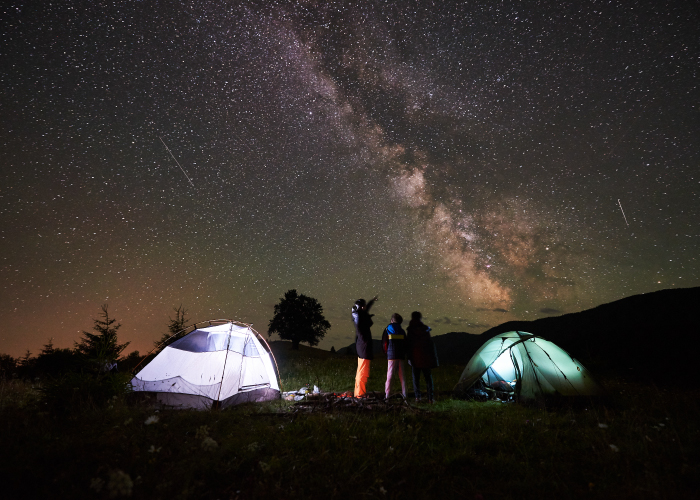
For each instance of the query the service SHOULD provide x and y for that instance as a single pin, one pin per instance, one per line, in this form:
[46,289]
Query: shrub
[54,362]
[8,366]
[79,390]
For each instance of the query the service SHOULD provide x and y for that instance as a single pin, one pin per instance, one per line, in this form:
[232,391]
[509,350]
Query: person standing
[394,343]
[421,355]
[363,342]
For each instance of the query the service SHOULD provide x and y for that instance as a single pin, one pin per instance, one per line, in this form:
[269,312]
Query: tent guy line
[178,163]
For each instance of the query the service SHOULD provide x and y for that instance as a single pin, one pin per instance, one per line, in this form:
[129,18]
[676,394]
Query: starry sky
[478,161]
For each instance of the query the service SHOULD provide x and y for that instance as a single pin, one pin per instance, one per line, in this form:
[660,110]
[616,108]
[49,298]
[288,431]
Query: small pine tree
[48,347]
[26,366]
[300,319]
[8,366]
[26,360]
[101,349]
[176,329]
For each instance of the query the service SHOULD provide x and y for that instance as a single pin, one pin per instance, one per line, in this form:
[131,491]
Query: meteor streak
[178,163]
[623,212]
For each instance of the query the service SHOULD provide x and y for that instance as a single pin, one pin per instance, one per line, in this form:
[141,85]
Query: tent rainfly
[221,364]
[528,366]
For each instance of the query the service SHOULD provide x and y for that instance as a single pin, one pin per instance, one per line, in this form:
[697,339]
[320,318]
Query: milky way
[465,160]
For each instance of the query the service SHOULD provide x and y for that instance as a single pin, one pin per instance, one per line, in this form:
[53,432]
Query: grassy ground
[641,442]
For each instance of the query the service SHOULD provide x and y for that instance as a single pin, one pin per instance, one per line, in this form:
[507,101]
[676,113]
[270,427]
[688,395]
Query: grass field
[639,442]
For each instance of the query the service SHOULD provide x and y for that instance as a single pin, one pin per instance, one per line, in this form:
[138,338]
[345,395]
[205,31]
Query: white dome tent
[219,363]
[527,366]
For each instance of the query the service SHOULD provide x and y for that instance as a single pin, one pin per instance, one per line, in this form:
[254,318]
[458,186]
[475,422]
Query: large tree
[298,318]
[101,348]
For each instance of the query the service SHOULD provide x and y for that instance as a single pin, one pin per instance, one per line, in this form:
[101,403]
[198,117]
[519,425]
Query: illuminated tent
[220,363]
[525,366]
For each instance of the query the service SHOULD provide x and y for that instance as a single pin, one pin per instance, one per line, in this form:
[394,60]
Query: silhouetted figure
[421,354]
[394,343]
[363,342]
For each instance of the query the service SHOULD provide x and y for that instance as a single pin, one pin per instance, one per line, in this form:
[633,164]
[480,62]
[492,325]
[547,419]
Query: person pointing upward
[363,342]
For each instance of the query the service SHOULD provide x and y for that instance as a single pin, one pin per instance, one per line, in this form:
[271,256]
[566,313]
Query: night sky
[478,161]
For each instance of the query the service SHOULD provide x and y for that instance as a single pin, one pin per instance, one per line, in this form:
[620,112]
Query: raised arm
[371,303]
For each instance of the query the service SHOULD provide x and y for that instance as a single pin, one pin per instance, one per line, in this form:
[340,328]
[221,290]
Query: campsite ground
[641,441]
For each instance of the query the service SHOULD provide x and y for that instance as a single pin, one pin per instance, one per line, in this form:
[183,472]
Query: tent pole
[560,370]
[221,382]
[518,375]
[534,372]
[277,368]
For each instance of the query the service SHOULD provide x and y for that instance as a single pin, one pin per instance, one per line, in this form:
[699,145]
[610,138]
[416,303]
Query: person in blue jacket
[394,343]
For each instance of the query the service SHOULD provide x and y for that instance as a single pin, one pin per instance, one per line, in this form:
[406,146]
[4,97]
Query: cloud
[445,320]
[549,310]
[497,309]
[478,325]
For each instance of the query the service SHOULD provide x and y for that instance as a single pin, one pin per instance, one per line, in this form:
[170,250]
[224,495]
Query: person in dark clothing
[421,354]
[363,342]
[394,343]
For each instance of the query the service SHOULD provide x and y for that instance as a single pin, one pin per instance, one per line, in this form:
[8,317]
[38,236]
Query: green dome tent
[526,367]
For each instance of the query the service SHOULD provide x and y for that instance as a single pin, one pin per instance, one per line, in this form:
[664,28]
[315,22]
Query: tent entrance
[502,377]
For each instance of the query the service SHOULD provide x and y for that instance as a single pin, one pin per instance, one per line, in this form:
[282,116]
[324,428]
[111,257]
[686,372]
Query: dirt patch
[328,402]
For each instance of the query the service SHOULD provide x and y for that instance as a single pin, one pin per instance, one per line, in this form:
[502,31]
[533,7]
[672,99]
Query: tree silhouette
[298,318]
[55,361]
[8,366]
[176,329]
[101,349]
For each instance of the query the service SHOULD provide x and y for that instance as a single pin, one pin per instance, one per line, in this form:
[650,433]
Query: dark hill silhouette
[650,336]
[457,348]
[282,349]
[352,351]
[452,348]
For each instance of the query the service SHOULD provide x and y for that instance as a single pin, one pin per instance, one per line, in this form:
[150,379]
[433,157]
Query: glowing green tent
[526,367]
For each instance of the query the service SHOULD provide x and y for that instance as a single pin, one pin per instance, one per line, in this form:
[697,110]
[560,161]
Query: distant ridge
[452,348]
[457,348]
[649,336]
[376,346]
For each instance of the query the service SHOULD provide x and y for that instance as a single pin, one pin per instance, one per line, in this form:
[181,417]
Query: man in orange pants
[363,342]
[361,377]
